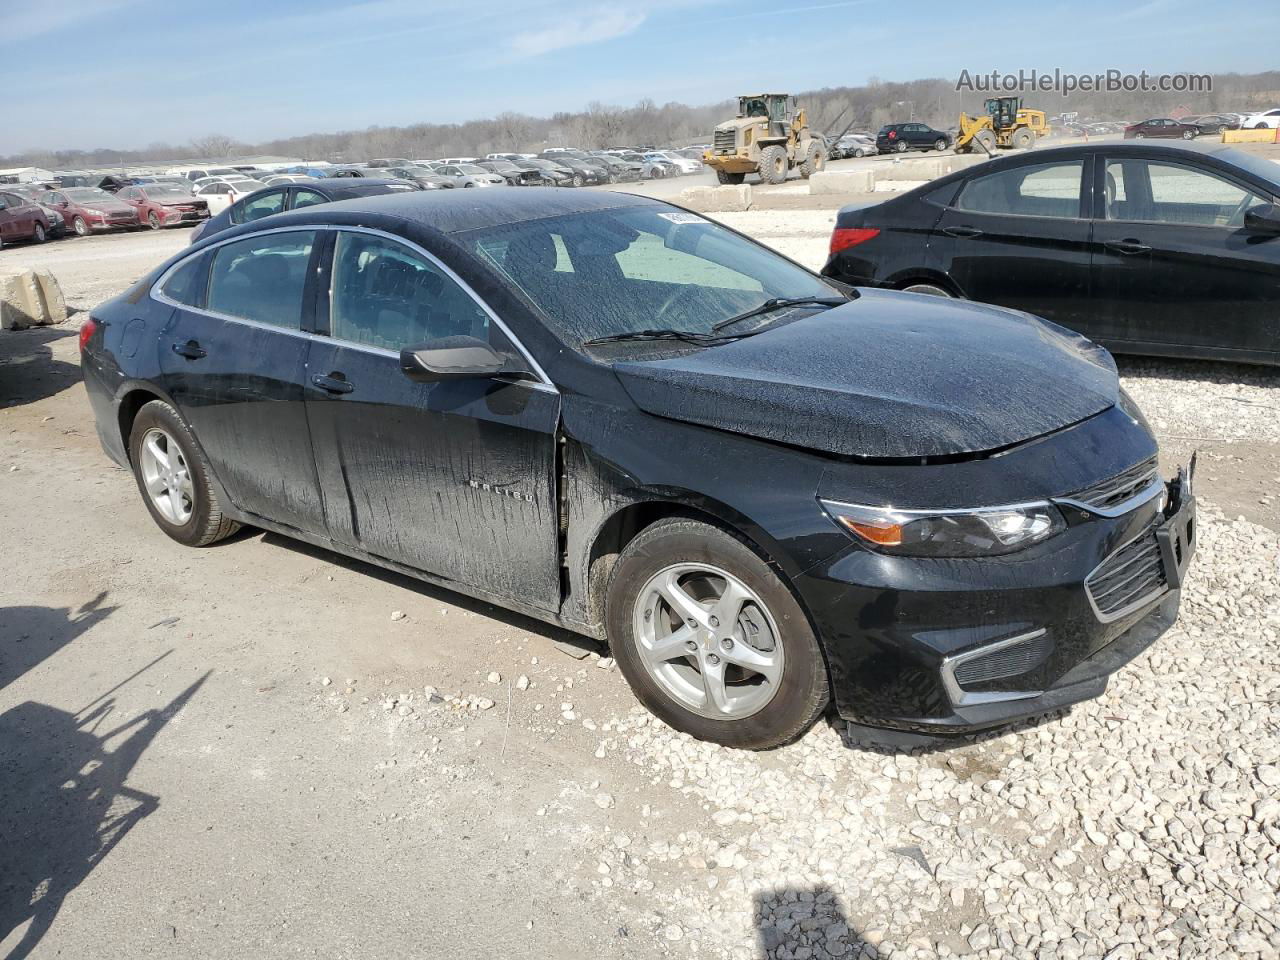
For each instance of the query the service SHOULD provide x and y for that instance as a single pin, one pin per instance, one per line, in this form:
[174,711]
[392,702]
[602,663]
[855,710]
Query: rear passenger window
[1040,190]
[386,295]
[258,207]
[186,284]
[262,278]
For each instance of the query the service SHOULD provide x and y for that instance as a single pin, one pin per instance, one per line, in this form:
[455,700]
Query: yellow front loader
[1006,124]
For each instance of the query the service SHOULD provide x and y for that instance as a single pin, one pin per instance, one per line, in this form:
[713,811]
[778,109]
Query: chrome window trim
[1135,605]
[1149,492]
[957,694]
[156,293]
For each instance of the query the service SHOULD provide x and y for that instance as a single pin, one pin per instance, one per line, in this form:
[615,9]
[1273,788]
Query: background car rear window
[262,278]
[386,295]
[256,208]
[1040,190]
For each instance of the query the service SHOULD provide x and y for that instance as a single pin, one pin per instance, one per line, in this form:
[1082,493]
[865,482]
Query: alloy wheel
[708,641]
[166,476]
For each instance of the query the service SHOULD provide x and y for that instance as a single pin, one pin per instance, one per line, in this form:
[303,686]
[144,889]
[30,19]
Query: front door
[1173,264]
[456,478]
[1020,238]
[232,358]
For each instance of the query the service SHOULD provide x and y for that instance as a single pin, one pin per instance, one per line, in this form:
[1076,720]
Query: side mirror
[455,358]
[3,205]
[1263,218]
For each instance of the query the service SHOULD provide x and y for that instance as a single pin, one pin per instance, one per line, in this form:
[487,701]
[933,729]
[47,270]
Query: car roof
[455,211]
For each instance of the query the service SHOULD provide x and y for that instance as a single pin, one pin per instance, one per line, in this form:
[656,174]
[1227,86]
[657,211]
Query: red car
[164,204]
[20,219]
[1161,127]
[86,209]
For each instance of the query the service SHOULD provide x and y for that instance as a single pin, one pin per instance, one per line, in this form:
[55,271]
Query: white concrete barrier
[926,168]
[861,180]
[726,199]
[29,298]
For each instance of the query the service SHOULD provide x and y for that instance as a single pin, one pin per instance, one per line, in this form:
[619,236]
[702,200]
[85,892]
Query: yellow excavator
[1006,124]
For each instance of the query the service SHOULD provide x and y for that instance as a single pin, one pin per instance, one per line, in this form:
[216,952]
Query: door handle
[1126,246]
[191,350]
[962,231]
[332,383]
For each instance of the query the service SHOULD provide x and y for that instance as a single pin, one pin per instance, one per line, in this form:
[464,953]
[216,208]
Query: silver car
[470,175]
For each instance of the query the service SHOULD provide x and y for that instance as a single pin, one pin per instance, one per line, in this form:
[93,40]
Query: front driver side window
[388,296]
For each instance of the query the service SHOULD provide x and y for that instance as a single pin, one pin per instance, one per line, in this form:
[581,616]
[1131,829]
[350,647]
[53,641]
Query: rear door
[1173,264]
[1019,238]
[232,358]
[11,217]
[455,478]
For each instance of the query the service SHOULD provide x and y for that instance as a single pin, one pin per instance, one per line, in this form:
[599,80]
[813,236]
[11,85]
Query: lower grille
[1008,661]
[1127,579]
[725,141]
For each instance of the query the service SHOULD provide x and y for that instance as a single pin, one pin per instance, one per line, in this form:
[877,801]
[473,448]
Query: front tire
[153,220]
[731,179]
[814,160]
[81,228]
[711,641]
[773,164]
[939,145]
[173,477]
[1188,134]
[38,235]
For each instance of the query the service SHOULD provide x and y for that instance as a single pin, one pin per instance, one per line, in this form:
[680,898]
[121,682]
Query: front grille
[1123,486]
[1128,578]
[725,141]
[1009,661]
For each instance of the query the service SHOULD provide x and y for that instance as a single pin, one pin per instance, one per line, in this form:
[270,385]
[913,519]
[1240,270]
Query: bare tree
[215,146]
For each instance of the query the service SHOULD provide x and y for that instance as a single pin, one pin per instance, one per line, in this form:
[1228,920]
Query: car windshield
[158,190]
[1262,167]
[471,168]
[87,193]
[502,165]
[618,271]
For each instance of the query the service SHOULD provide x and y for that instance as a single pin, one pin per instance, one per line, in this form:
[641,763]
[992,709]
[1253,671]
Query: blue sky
[89,73]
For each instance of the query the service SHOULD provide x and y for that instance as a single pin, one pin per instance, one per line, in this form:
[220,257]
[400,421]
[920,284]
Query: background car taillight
[87,330]
[893,134]
[842,238]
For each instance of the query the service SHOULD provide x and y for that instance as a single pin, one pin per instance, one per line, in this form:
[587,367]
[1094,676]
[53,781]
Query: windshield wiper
[778,303]
[685,336]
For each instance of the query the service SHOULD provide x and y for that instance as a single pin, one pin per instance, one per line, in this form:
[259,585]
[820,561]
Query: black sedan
[767,490]
[1167,249]
[294,196]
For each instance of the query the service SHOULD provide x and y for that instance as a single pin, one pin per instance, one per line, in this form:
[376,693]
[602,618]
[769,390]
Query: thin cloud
[24,19]
[595,27]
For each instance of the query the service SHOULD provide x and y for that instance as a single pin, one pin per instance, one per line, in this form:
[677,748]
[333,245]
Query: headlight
[94,213]
[982,532]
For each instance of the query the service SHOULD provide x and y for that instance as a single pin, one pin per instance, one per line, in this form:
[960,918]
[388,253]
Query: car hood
[887,376]
[109,206]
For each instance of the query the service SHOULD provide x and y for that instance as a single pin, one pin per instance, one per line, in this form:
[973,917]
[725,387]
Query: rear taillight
[893,134]
[842,238]
[87,330]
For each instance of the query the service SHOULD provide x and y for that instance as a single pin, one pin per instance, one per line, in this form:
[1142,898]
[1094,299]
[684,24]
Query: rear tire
[577,179]
[199,521]
[1023,138]
[773,164]
[901,146]
[755,712]
[815,159]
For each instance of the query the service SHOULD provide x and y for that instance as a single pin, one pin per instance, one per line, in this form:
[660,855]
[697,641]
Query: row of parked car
[83,204]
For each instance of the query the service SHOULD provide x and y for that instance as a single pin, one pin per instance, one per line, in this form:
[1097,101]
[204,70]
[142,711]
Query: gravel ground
[263,743]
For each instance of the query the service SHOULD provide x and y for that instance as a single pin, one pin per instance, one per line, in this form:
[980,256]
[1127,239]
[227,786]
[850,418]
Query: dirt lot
[261,749]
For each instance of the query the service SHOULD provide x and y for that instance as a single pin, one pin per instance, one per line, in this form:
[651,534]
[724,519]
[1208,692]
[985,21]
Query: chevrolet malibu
[768,491]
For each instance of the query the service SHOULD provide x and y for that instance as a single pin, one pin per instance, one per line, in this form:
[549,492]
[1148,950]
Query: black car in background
[1213,123]
[1168,249]
[295,196]
[581,172]
[901,137]
[767,490]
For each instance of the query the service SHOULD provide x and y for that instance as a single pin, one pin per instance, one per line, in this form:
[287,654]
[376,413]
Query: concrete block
[29,298]
[726,199]
[827,182]
[1251,136]
[926,168]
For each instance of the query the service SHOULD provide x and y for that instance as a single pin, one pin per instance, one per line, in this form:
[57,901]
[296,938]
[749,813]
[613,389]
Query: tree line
[831,110]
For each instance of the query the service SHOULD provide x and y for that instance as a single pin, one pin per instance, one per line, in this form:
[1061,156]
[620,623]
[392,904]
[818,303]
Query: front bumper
[942,646]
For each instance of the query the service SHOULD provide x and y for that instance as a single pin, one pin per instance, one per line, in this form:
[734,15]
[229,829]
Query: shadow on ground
[792,922]
[28,371]
[63,803]
[30,635]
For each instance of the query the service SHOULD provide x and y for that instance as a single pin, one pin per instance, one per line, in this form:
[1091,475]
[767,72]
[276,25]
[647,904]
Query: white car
[684,163]
[222,192]
[1268,120]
